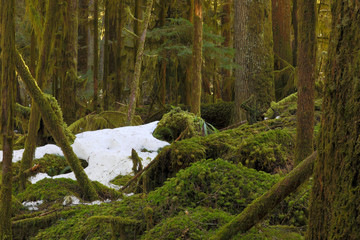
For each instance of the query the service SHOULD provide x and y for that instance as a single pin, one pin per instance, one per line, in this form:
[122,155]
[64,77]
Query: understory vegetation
[198,183]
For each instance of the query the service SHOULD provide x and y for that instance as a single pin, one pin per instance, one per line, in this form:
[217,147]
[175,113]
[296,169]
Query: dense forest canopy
[257,103]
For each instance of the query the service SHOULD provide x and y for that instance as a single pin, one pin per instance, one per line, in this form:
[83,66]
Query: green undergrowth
[194,204]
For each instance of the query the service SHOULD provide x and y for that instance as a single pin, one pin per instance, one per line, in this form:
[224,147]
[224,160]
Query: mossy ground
[202,193]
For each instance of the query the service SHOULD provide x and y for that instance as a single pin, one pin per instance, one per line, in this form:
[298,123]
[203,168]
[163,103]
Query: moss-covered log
[57,130]
[258,209]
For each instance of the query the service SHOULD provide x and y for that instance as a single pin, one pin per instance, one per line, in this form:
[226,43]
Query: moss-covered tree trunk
[227,83]
[306,79]
[137,71]
[261,206]
[120,21]
[41,74]
[188,83]
[197,58]
[69,60]
[105,88]
[83,37]
[7,112]
[53,124]
[281,25]
[254,56]
[335,201]
[96,54]
[294,21]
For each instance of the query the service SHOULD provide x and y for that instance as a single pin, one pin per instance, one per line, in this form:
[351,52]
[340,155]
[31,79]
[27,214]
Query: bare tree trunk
[7,112]
[137,70]
[106,57]
[53,124]
[119,81]
[261,206]
[188,83]
[83,41]
[306,79]
[255,59]
[41,74]
[197,58]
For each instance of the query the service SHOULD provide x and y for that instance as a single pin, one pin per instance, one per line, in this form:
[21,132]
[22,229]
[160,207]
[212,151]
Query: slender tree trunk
[119,81]
[227,85]
[55,127]
[255,58]
[83,41]
[137,70]
[335,201]
[162,95]
[138,15]
[106,57]
[306,79]
[41,74]
[197,58]
[7,113]
[281,25]
[96,54]
[261,206]
[189,71]
[294,19]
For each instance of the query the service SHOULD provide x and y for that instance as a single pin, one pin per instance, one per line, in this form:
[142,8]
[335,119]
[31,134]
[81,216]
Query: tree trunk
[306,79]
[137,71]
[96,54]
[227,86]
[68,82]
[83,41]
[197,58]
[335,201]
[41,74]
[106,65]
[189,71]
[261,206]
[7,112]
[53,124]
[119,81]
[294,20]
[281,25]
[255,58]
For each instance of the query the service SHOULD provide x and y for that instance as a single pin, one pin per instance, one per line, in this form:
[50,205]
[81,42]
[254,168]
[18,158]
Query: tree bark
[137,70]
[96,54]
[83,41]
[281,25]
[120,21]
[53,124]
[254,56]
[227,86]
[69,79]
[259,208]
[41,74]
[7,112]
[335,201]
[189,71]
[306,79]
[197,58]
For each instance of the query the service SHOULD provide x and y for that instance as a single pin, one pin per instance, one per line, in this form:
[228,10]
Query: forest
[180,119]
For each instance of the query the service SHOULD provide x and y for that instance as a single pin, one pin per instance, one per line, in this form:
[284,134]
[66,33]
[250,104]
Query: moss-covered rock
[217,114]
[181,124]
[211,183]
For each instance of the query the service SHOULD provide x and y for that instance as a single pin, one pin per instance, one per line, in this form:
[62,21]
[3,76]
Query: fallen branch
[259,208]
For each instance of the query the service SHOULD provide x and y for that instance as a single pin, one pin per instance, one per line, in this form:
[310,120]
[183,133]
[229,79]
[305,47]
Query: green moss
[211,183]
[271,233]
[217,114]
[193,224]
[180,124]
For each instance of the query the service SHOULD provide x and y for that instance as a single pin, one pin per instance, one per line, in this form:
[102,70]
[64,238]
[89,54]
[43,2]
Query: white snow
[107,151]
[32,206]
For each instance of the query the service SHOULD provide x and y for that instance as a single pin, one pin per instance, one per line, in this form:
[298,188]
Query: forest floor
[198,183]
